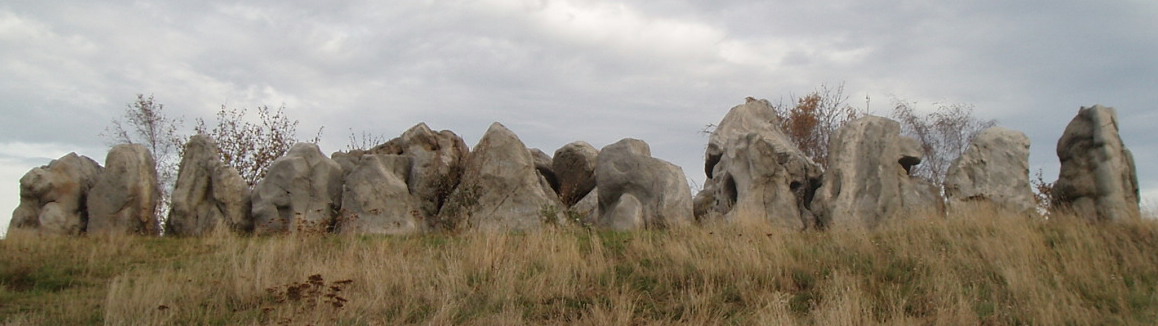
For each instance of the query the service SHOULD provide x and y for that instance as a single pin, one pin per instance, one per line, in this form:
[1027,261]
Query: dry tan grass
[972,269]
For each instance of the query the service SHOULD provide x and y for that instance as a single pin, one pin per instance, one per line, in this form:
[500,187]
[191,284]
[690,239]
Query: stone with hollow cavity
[639,191]
[756,172]
[868,183]
[53,197]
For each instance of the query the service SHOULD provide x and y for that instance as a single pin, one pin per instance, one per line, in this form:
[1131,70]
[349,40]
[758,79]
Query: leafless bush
[145,122]
[252,147]
[813,120]
[944,134]
[364,140]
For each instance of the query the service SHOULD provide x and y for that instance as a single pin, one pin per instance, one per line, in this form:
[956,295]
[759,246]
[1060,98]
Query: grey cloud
[384,66]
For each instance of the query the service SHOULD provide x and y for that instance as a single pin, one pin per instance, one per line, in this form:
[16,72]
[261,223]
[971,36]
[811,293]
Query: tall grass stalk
[966,269]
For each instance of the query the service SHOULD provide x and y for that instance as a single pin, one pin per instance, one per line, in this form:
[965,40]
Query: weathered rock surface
[867,181]
[1098,179]
[586,210]
[994,169]
[639,191]
[752,116]
[124,199]
[208,194]
[543,166]
[301,192]
[52,197]
[574,166]
[756,172]
[437,160]
[375,197]
[500,188]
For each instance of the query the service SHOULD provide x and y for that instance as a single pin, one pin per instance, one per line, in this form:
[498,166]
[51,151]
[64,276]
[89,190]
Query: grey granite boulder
[375,198]
[639,191]
[994,169]
[125,197]
[301,192]
[436,167]
[1098,179]
[500,188]
[208,194]
[868,181]
[574,166]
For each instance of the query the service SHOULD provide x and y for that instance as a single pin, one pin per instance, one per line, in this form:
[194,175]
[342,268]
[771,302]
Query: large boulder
[574,166]
[1098,179]
[756,172]
[994,169]
[868,181]
[125,197]
[500,188]
[753,116]
[53,197]
[375,198]
[208,194]
[301,192]
[639,191]
[437,160]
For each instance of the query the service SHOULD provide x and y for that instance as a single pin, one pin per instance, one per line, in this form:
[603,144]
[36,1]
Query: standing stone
[125,197]
[52,197]
[1098,179]
[375,198]
[574,165]
[639,191]
[756,172]
[208,194]
[868,181]
[753,116]
[437,164]
[994,169]
[300,192]
[500,189]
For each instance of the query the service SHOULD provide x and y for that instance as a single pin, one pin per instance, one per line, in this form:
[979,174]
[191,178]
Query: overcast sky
[560,71]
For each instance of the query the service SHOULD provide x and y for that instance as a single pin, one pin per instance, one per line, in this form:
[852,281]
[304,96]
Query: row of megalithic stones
[426,181]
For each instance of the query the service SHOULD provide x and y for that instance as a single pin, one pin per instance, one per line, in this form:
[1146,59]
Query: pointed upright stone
[124,199]
[1098,179]
[868,183]
[208,194]
[500,188]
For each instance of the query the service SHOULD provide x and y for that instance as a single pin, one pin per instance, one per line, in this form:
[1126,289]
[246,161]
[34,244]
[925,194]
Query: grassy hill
[977,269]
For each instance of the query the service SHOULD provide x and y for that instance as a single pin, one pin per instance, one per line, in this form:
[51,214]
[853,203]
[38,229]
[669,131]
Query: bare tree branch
[252,147]
[944,134]
[145,122]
